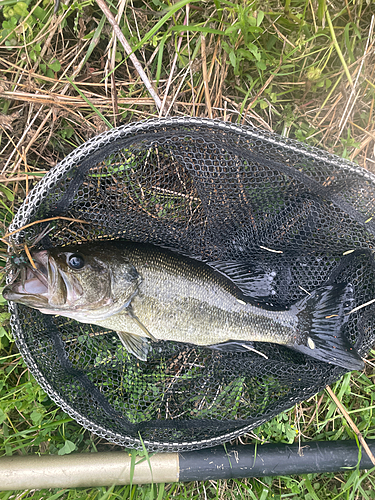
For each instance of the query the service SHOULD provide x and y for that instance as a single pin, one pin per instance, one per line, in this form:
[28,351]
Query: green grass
[288,66]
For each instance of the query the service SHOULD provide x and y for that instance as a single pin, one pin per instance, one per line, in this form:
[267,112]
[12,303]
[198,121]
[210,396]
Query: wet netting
[217,192]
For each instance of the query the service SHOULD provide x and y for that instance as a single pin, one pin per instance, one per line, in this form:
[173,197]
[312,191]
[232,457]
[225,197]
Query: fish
[147,293]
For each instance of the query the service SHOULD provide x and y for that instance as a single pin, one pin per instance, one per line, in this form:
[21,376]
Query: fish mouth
[31,287]
[46,286]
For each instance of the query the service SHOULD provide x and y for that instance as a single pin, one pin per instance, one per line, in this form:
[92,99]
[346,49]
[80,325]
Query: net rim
[37,195]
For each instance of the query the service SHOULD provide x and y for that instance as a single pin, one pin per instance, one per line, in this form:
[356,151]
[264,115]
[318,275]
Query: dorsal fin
[255,284]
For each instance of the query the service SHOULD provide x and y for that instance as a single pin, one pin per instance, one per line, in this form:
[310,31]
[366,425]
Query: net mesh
[215,191]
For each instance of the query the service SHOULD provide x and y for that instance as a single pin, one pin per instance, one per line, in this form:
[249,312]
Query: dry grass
[304,88]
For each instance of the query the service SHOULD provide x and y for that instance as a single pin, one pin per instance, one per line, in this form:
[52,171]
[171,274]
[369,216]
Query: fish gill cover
[293,217]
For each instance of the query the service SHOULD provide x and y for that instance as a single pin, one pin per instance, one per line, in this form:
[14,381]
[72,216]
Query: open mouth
[32,283]
[47,286]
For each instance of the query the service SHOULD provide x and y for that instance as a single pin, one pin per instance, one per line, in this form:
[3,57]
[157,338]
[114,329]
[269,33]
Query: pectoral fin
[134,344]
[138,322]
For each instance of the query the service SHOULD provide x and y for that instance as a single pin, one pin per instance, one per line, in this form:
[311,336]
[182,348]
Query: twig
[205,79]
[45,220]
[190,62]
[352,98]
[116,28]
[26,248]
[69,101]
[20,177]
[317,406]
[178,90]
[112,63]
[362,305]
[352,424]
[172,68]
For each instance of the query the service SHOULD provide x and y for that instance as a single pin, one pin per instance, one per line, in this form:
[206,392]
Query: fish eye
[76,261]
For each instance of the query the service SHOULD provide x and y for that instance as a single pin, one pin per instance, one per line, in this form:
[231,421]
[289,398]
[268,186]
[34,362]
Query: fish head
[86,283]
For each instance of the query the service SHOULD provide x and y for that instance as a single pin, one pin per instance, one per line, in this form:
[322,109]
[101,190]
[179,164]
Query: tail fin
[321,320]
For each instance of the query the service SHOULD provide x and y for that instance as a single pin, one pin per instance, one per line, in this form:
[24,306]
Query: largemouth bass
[144,292]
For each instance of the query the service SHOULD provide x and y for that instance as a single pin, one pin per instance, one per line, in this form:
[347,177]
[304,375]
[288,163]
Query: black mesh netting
[210,190]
